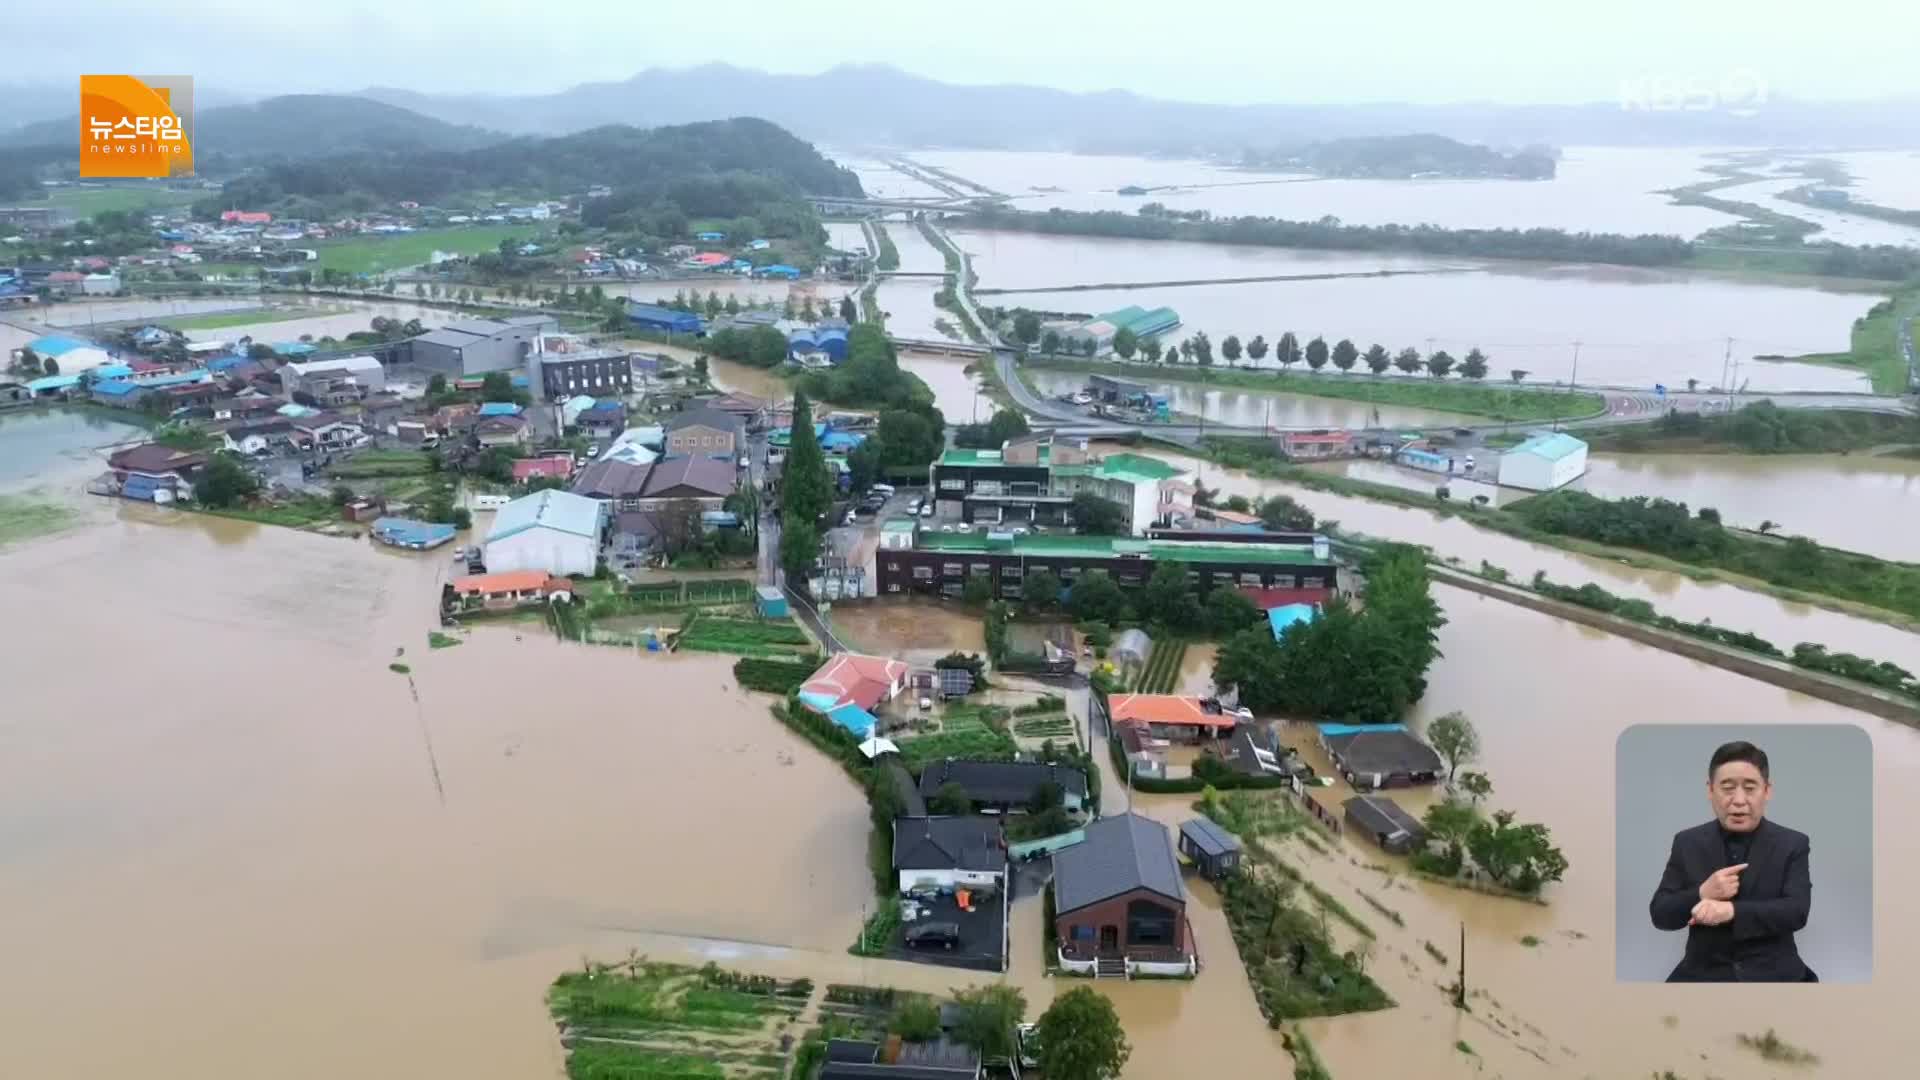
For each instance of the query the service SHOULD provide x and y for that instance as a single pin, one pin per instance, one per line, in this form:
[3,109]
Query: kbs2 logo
[136,125]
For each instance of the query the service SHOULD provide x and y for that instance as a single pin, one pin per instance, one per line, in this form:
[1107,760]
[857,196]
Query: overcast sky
[1514,51]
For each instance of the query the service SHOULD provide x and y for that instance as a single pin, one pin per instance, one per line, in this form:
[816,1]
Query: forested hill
[722,168]
[1402,156]
[292,126]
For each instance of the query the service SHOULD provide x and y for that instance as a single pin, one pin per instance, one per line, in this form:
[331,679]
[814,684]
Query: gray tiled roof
[1120,854]
[948,843]
[1209,837]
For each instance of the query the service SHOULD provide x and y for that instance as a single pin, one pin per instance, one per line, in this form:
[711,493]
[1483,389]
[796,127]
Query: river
[1889,178]
[1596,189]
[1835,226]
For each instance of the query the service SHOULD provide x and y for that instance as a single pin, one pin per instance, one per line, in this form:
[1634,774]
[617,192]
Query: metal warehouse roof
[550,509]
[1552,445]
[1108,547]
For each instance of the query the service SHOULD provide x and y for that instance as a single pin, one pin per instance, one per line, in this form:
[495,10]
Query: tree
[1151,350]
[1448,823]
[700,372]
[341,495]
[1050,342]
[848,313]
[1125,343]
[1166,598]
[1477,785]
[1345,352]
[1282,514]
[1080,1037]
[1407,360]
[1257,349]
[766,347]
[29,362]
[1230,348]
[1518,375]
[1377,359]
[462,518]
[224,482]
[988,1015]
[1096,598]
[50,366]
[1026,327]
[1236,503]
[799,547]
[1317,353]
[1228,611]
[806,491]
[916,1020]
[1088,347]
[978,591]
[496,386]
[1202,348]
[1518,856]
[1040,589]
[951,798]
[1439,364]
[1095,516]
[1286,352]
[1475,364]
[436,385]
[1453,735]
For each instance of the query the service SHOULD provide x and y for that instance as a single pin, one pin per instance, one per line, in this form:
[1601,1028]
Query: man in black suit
[1740,884]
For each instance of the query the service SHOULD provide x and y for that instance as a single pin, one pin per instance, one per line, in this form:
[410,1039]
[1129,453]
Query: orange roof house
[850,678]
[538,582]
[1163,714]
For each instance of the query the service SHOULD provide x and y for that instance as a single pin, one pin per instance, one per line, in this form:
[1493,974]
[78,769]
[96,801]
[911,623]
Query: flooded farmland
[1252,408]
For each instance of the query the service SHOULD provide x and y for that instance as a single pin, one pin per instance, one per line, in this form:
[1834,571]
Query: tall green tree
[1377,359]
[1167,599]
[1040,590]
[848,313]
[806,489]
[1282,513]
[1344,354]
[1151,349]
[1095,597]
[1227,611]
[1202,348]
[1439,364]
[1257,349]
[799,547]
[1125,343]
[1095,516]
[496,386]
[1317,353]
[1026,327]
[1518,856]
[1454,736]
[1407,360]
[988,1016]
[1081,1038]
[1477,785]
[224,482]
[1286,352]
[1230,350]
[1050,342]
[1474,365]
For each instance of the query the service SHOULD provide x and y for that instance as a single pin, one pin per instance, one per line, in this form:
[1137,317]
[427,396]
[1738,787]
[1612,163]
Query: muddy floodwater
[42,446]
[267,847]
[1252,408]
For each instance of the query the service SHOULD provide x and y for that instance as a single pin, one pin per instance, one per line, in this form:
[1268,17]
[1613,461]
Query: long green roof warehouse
[1144,322]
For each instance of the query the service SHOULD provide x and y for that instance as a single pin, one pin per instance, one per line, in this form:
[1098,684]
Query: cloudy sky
[1515,51]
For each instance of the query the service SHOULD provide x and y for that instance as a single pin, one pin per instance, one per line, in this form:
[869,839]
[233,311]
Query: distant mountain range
[292,126]
[859,105]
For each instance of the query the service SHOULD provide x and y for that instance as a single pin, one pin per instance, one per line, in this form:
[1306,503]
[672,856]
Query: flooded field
[1852,501]
[882,181]
[909,308]
[91,312]
[955,393]
[917,256]
[1779,621]
[1636,327]
[1841,228]
[46,447]
[1596,189]
[1884,177]
[1252,408]
[1019,260]
[846,236]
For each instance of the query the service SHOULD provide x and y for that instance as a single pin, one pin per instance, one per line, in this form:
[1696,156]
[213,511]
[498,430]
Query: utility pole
[1460,987]
[1726,382]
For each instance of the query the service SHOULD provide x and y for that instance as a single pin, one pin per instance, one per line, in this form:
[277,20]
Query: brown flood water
[262,848]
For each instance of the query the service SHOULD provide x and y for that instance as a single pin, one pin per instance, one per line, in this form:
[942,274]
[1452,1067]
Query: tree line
[1331,233]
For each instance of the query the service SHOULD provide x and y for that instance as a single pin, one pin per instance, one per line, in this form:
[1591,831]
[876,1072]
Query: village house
[507,589]
[546,466]
[1318,445]
[1174,717]
[704,432]
[334,382]
[849,687]
[1382,821]
[1373,756]
[326,431]
[603,419]
[155,473]
[1005,786]
[934,1059]
[706,481]
[510,431]
[256,437]
[949,852]
[1212,850]
[1120,907]
[616,482]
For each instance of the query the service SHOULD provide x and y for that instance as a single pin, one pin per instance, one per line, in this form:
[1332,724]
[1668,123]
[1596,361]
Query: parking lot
[982,932]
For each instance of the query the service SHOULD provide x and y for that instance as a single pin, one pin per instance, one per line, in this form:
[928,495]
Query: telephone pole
[1725,361]
[1460,988]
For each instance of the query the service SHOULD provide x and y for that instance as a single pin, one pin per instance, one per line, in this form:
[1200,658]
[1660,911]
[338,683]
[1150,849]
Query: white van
[882,489]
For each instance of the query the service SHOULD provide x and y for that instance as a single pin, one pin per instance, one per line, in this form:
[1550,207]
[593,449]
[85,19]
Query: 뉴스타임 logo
[136,125]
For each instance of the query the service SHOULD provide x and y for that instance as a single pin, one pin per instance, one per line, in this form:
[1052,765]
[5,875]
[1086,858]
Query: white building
[1544,462]
[364,373]
[948,853]
[100,284]
[555,531]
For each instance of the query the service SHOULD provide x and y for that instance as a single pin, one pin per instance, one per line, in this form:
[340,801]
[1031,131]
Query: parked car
[459,553]
[593,450]
[913,507]
[1026,1045]
[933,935]
[927,510]
[883,489]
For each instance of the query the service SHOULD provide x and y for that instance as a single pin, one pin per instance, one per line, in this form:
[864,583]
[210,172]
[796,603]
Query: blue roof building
[55,345]
[181,378]
[53,384]
[225,363]
[665,320]
[293,348]
[112,371]
[779,270]
[710,237]
[854,719]
[408,533]
[499,408]
[118,391]
[814,339]
[1279,618]
[841,442]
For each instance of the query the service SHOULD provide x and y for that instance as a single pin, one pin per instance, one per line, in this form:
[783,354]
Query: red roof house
[850,678]
[246,217]
[557,466]
[1171,715]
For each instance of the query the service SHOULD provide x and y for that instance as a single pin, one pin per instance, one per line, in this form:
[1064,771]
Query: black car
[943,935]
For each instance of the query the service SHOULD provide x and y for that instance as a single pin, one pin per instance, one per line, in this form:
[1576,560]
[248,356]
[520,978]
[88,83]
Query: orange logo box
[136,125]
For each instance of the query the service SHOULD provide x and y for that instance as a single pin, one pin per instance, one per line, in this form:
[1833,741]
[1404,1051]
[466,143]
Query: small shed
[771,602]
[1214,850]
[1382,820]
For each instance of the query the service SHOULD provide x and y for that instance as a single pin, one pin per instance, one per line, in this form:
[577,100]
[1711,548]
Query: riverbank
[1875,346]
[1760,429]
[1517,402]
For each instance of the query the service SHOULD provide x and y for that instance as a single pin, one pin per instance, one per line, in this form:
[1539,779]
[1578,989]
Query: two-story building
[1120,907]
[705,432]
[1033,479]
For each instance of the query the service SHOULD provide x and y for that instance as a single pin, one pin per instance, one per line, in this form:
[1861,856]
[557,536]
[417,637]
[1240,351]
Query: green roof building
[1144,322]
